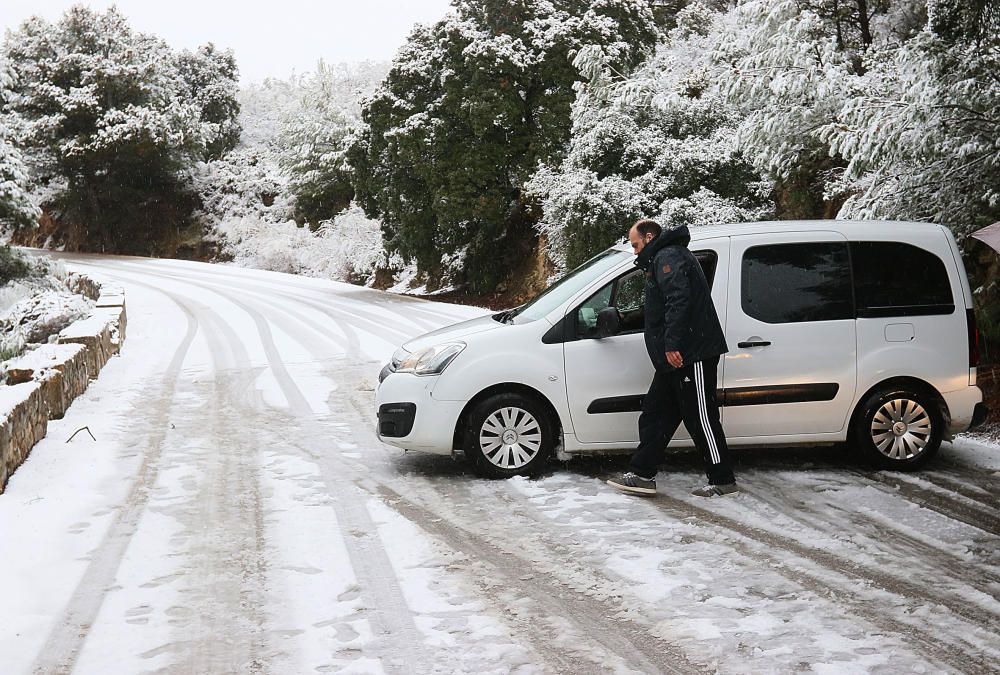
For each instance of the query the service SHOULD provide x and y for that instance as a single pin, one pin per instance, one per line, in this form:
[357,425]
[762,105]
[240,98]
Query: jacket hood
[674,236]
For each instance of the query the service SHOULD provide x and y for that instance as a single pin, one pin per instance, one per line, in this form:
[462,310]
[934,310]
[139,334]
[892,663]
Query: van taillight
[973,338]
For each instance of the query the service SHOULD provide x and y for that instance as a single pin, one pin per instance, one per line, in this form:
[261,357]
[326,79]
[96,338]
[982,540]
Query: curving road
[237,515]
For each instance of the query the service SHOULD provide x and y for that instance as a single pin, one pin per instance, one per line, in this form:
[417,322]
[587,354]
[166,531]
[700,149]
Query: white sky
[269,39]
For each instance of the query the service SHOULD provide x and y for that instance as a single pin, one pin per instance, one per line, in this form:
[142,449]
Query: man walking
[685,341]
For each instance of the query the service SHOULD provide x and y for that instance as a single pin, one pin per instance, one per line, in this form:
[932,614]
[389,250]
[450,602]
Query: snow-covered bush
[348,247]
[13,265]
[35,301]
[246,183]
[49,309]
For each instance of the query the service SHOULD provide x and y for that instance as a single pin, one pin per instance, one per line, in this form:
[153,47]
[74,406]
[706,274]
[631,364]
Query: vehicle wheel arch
[915,384]
[505,388]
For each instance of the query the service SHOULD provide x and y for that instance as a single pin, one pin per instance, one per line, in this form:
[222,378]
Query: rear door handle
[758,343]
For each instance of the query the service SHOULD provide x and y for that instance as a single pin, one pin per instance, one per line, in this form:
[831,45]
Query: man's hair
[647,226]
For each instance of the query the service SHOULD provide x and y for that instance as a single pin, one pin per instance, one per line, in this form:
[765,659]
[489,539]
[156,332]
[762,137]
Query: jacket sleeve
[673,278]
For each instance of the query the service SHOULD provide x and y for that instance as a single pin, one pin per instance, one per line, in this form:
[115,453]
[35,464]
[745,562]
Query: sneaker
[716,490]
[634,484]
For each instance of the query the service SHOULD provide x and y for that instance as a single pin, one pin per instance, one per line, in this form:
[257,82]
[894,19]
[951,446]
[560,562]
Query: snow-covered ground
[236,515]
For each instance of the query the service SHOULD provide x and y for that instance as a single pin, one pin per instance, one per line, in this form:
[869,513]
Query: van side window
[792,283]
[627,295]
[896,279]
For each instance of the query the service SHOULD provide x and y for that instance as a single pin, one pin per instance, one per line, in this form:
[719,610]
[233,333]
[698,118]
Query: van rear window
[897,279]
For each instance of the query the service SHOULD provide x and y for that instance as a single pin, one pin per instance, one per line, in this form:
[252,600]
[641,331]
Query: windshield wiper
[507,315]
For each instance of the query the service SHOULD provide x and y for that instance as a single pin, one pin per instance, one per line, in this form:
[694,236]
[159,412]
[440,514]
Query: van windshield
[565,288]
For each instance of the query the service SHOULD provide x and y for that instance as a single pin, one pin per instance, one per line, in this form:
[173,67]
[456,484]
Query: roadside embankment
[42,383]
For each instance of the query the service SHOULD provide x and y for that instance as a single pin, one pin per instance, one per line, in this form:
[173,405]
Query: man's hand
[675,359]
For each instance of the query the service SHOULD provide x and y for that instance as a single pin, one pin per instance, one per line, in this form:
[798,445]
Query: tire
[509,435]
[898,428]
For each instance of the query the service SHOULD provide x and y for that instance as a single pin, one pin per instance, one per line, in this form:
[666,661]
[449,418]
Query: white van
[839,331]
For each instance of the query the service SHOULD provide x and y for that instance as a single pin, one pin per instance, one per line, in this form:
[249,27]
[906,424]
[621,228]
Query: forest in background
[508,141]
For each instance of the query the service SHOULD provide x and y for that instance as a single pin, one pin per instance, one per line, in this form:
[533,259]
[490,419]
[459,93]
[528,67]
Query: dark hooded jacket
[679,312]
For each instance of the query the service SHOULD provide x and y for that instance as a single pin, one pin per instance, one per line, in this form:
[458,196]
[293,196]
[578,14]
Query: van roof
[855,230]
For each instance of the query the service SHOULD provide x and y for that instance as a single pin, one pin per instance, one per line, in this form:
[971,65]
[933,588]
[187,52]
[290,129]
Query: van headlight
[431,361]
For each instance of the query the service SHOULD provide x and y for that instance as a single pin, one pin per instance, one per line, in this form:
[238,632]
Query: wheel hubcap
[510,438]
[901,429]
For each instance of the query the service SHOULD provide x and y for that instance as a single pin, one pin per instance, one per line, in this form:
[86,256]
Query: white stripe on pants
[699,381]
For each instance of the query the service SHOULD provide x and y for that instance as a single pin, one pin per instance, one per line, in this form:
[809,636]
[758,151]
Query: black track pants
[686,394]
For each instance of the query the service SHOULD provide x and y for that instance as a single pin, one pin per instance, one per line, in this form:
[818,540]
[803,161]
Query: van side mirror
[609,323]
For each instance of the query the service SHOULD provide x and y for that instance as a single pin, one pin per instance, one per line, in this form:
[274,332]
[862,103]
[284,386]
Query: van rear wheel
[508,435]
[898,429]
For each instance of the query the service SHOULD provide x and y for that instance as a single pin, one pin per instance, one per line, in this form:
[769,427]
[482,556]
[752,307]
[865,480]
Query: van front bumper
[409,416]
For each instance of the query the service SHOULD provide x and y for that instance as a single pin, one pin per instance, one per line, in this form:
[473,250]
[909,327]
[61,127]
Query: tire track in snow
[342,476]
[399,638]
[351,344]
[947,564]
[227,528]
[225,520]
[391,617]
[767,544]
[64,642]
[365,297]
[983,492]
[601,622]
[370,322]
[982,517]
[598,620]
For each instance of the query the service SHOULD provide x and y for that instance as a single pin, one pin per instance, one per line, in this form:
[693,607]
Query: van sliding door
[792,365]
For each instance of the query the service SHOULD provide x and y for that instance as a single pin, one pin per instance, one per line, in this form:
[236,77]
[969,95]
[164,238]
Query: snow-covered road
[237,515]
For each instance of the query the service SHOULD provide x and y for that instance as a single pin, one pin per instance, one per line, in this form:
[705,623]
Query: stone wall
[42,383]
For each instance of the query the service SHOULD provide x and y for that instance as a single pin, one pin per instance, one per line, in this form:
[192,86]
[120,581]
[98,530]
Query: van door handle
[758,343]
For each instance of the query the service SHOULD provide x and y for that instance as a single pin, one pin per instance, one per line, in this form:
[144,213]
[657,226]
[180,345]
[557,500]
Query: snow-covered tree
[921,138]
[16,207]
[209,78]
[792,66]
[658,143]
[316,134]
[468,110]
[106,114]
[250,197]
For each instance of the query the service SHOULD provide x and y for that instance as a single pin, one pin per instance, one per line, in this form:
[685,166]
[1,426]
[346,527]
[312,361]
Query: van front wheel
[898,429]
[508,435]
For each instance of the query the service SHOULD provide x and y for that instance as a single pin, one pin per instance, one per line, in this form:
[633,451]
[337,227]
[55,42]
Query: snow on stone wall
[42,383]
